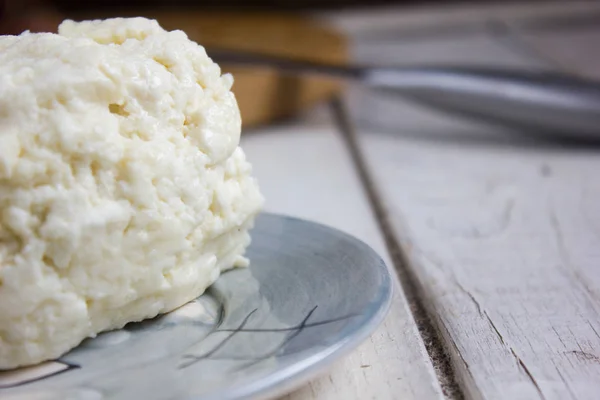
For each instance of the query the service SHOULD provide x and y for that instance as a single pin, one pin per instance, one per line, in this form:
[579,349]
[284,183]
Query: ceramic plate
[310,295]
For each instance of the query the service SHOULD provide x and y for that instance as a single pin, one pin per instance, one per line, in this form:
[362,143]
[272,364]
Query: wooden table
[495,237]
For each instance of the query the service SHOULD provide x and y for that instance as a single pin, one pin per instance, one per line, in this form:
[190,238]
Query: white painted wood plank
[506,244]
[307,172]
[503,236]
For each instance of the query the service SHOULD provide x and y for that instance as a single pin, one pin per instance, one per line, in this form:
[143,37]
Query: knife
[545,102]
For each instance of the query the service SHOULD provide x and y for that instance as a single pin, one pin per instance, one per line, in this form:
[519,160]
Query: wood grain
[505,244]
[307,172]
[501,233]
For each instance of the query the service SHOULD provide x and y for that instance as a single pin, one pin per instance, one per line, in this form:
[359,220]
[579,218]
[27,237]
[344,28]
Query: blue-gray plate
[310,295]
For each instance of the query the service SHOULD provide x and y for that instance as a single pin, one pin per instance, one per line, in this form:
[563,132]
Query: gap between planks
[432,339]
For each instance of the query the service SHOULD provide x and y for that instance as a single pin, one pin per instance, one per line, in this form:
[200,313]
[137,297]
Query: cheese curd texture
[123,192]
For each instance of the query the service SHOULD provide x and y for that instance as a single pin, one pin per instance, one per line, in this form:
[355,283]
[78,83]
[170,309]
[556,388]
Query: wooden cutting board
[263,95]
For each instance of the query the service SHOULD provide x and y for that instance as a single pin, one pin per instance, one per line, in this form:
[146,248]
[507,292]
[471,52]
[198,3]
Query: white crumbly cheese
[123,192]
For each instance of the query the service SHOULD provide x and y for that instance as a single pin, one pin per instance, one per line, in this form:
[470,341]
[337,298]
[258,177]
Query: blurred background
[277,27]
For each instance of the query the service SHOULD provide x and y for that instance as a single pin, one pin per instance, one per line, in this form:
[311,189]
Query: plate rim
[292,377]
